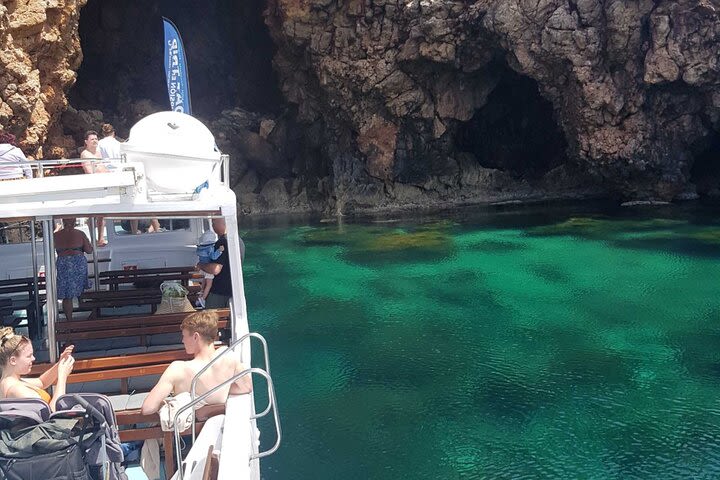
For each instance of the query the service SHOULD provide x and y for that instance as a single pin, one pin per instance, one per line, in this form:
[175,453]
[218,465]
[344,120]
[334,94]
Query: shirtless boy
[199,331]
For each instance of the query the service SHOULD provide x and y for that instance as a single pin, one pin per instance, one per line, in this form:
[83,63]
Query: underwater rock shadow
[549,273]
[495,246]
[679,245]
[693,352]
[603,228]
[510,401]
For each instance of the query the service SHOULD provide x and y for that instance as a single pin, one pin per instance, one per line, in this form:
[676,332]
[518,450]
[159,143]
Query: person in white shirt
[92,152]
[109,145]
[10,154]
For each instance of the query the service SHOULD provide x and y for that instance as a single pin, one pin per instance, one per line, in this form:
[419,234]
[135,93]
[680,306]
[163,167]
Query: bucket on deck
[177,151]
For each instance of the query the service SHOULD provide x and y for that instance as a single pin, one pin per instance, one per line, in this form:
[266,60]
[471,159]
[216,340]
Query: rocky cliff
[375,104]
[39,56]
[633,87]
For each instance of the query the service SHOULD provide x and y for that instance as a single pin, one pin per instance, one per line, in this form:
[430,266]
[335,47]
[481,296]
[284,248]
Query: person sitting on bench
[16,359]
[207,253]
[199,331]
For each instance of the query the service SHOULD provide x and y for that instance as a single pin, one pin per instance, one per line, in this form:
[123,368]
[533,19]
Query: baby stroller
[78,441]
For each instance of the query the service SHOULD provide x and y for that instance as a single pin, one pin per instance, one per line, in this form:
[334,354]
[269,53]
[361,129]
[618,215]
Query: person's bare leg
[67,305]
[100,221]
[206,287]
[134,227]
[154,225]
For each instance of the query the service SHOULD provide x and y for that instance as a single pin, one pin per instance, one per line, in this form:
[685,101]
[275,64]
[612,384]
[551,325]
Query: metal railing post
[201,398]
[93,242]
[33,249]
[226,169]
[50,283]
[231,348]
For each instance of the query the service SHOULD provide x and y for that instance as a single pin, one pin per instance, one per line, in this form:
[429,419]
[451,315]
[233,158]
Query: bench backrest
[124,366]
[131,321]
[145,271]
[148,275]
[136,331]
[15,285]
[116,366]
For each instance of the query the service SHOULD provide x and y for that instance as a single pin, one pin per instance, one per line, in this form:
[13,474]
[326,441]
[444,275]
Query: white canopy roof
[110,194]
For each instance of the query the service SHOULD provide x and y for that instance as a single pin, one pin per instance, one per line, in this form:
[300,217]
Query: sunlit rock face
[39,56]
[350,106]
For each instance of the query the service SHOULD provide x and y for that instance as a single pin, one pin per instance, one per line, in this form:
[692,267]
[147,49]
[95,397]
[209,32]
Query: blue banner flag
[178,83]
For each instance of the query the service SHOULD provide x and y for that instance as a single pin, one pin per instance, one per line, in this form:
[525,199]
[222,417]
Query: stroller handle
[90,409]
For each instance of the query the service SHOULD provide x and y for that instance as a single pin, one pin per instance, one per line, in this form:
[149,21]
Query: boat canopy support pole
[93,242]
[226,169]
[36,289]
[50,284]
[238,306]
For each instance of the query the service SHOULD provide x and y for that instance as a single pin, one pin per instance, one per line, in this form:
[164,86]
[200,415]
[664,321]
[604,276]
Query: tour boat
[171,171]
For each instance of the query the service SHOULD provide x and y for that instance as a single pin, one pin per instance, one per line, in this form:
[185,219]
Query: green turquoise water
[535,343]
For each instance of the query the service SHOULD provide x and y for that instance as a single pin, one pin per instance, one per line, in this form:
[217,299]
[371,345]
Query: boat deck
[105,365]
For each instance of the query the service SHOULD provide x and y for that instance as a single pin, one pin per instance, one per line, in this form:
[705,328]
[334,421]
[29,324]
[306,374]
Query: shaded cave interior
[227,45]
[515,131]
[705,171]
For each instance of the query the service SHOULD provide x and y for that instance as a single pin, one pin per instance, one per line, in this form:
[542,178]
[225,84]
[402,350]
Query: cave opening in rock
[227,45]
[705,172]
[515,131]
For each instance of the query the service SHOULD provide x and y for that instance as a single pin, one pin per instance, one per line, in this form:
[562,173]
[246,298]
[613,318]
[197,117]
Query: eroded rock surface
[39,56]
[633,85]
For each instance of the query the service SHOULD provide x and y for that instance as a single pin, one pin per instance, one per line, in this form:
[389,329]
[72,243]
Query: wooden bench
[212,465]
[95,301]
[148,277]
[124,367]
[119,367]
[8,306]
[22,302]
[15,285]
[128,326]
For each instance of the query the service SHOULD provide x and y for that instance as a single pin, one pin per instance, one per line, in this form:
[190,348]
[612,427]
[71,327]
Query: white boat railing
[44,168]
[201,398]
[93,162]
[271,395]
[231,348]
[60,164]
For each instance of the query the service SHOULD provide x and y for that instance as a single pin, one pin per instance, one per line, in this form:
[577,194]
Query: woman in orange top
[16,359]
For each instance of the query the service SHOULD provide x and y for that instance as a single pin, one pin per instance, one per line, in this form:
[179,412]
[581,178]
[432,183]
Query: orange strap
[43,394]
